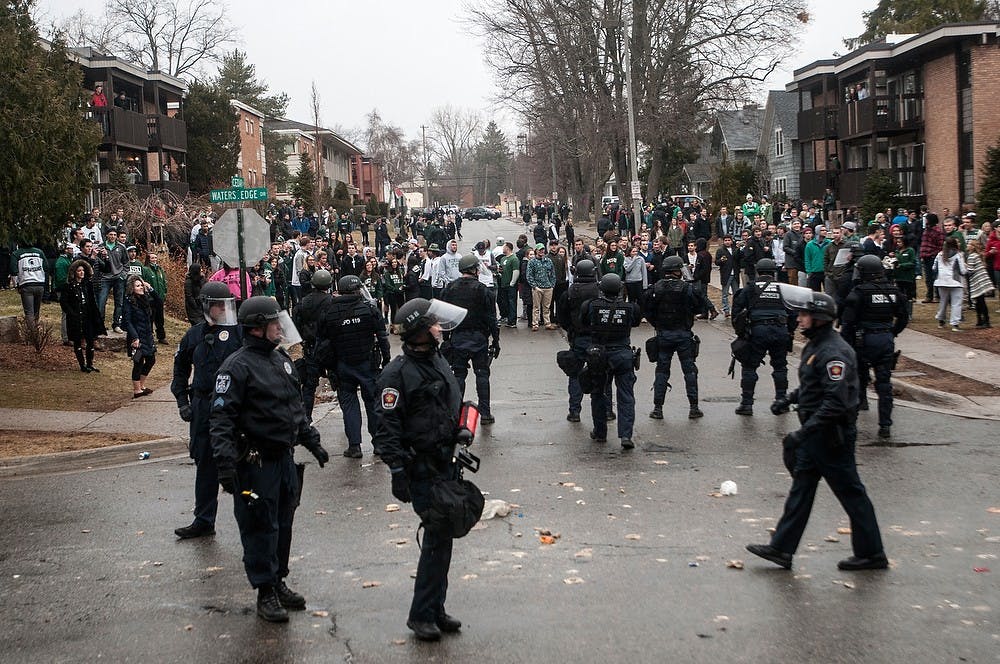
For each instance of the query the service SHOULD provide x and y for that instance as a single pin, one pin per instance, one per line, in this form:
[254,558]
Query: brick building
[921,106]
[367,175]
[336,152]
[251,163]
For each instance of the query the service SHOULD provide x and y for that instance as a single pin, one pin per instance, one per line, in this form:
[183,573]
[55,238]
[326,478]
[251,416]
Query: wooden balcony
[818,123]
[885,115]
[166,132]
[121,127]
[178,189]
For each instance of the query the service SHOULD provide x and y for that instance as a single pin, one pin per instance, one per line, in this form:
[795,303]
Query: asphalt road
[91,571]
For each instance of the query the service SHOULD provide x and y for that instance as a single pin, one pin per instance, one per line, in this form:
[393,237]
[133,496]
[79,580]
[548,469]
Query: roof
[282,126]
[700,172]
[236,103]
[89,57]
[741,129]
[786,112]
[893,46]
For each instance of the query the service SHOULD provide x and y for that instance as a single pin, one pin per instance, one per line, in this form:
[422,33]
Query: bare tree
[387,144]
[688,58]
[177,37]
[314,107]
[452,140]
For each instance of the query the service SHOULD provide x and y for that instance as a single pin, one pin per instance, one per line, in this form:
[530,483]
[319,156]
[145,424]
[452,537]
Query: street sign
[636,189]
[256,237]
[555,195]
[237,195]
[236,182]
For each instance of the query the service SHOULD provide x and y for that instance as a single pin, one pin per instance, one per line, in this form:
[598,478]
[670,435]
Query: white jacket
[946,270]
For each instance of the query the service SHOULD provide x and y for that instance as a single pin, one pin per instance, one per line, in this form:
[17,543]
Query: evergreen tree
[491,162]
[304,183]
[213,137]
[239,79]
[881,192]
[47,143]
[341,198]
[118,177]
[988,196]
[914,16]
[733,181]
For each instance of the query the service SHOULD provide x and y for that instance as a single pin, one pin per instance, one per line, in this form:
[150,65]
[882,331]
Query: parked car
[493,212]
[477,213]
[610,200]
[685,200]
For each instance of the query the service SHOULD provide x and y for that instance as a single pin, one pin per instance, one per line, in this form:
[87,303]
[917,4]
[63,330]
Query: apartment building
[251,163]
[921,106]
[336,153]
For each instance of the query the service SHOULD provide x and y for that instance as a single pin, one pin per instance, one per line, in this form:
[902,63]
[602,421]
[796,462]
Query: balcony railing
[166,132]
[818,123]
[882,114]
[178,189]
[120,127]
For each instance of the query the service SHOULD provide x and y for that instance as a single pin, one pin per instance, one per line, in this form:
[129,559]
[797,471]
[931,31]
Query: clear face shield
[366,295]
[289,334]
[797,298]
[219,312]
[445,314]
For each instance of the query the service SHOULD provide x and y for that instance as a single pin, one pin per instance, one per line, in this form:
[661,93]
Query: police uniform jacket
[203,347]
[353,325]
[671,304]
[873,306]
[828,383]
[257,404]
[418,408]
[763,300]
[307,316]
[570,303]
[611,321]
[473,296]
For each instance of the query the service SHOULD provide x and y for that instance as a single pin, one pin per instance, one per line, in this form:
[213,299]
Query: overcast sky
[404,57]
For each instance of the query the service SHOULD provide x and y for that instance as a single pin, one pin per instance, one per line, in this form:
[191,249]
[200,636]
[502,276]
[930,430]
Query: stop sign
[256,238]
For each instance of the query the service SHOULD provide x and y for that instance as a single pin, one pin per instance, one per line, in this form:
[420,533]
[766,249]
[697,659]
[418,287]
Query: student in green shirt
[152,273]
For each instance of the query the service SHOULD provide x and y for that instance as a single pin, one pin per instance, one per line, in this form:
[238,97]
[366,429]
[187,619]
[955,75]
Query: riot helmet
[468,264]
[673,264]
[870,268]
[218,305]
[585,268]
[321,280]
[419,314]
[766,266]
[610,285]
[798,298]
[348,284]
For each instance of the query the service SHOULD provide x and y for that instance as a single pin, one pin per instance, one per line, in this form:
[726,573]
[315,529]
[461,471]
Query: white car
[610,200]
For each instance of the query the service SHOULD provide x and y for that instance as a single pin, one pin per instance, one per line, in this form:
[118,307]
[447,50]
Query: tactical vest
[609,321]
[308,313]
[768,304]
[469,293]
[672,311]
[352,321]
[876,305]
[578,293]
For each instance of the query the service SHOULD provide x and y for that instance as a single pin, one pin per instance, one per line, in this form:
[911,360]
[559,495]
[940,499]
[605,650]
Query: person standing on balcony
[98,99]
[862,91]
[165,173]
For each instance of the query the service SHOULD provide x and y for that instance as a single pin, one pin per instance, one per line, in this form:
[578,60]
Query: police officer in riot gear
[583,289]
[611,320]
[670,305]
[873,314]
[257,417]
[761,317]
[355,343]
[470,340]
[204,347]
[418,404]
[823,446]
[311,310]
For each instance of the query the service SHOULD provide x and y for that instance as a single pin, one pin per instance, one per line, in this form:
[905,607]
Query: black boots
[288,597]
[79,358]
[90,361]
[656,413]
[744,409]
[269,606]
[196,529]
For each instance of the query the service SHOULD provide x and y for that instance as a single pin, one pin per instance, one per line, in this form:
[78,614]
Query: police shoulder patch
[224,335]
[288,367]
[835,370]
[390,396]
[222,382]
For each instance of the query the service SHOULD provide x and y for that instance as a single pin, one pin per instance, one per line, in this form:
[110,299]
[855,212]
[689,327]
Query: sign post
[236,246]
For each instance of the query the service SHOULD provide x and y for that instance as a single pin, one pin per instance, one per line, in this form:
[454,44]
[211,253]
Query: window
[780,186]
[779,143]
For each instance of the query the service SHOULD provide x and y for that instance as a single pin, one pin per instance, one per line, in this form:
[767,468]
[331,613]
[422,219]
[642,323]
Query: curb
[98,458]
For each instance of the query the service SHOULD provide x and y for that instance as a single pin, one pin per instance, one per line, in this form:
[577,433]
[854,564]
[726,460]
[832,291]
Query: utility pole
[486,185]
[427,189]
[552,154]
[527,155]
[633,157]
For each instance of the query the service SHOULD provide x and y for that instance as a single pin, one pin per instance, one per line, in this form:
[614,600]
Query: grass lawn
[52,380]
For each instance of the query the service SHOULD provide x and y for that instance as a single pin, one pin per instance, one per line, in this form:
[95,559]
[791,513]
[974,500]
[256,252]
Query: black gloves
[495,348]
[400,485]
[789,444]
[780,406]
[185,411]
[227,480]
[310,441]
